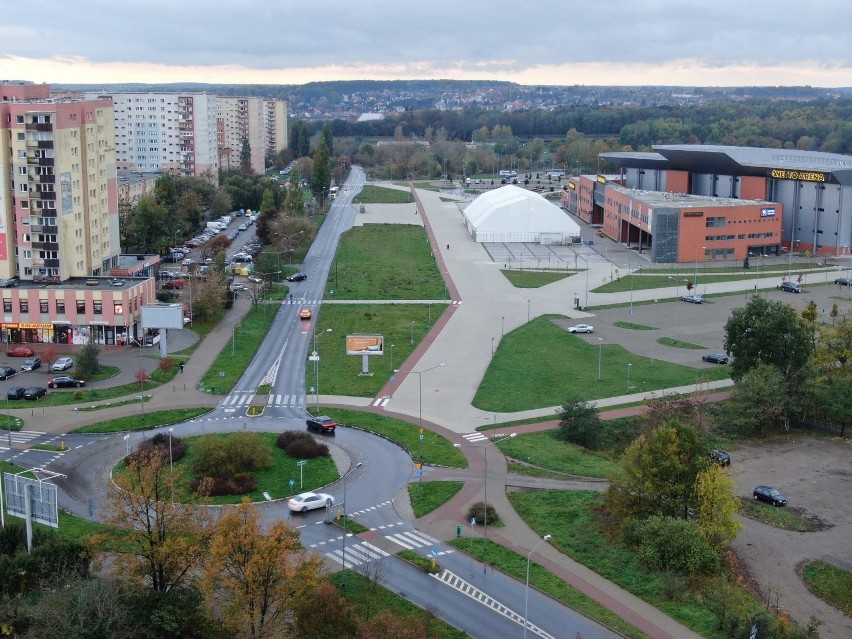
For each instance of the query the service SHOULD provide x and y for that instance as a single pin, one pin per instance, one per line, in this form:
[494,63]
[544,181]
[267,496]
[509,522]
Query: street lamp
[234,326]
[316,366]
[484,448]
[171,465]
[492,346]
[629,366]
[527,590]
[345,477]
[392,356]
[420,397]
[630,270]
[600,356]
[412,331]
[176,237]
[528,311]
[502,326]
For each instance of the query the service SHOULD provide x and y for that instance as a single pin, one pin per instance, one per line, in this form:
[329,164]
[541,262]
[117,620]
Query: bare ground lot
[815,474]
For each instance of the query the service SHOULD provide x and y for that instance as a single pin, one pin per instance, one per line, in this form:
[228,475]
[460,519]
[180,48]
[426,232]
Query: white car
[581,328]
[61,364]
[309,501]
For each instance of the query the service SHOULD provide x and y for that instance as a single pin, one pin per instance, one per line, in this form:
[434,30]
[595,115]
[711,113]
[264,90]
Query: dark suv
[769,495]
[790,287]
[720,457]
[322,424]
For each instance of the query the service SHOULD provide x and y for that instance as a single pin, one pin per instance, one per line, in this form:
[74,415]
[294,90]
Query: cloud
[620,42]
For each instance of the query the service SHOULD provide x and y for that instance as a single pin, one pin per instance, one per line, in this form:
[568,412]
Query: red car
[173,284]
[20,351]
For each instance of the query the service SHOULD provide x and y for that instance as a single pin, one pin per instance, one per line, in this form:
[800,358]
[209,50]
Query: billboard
[365,345]
[43,501]
[162,316]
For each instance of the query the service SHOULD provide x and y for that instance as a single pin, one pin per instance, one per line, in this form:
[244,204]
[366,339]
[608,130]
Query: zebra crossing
[242,399]
[362,552]
[19,438]
[475,437]
[469,590]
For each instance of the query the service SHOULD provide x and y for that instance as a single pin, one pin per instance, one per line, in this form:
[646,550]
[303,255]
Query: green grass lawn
[569,516]
[633,327]
[144,421]
[830,584]
[784,518]
[233,359]
[436,449]
[339,373]
[534,279]
[361,271]
[539,365]
[545,451]
[275,480]
[679,343]
[515,564]
[429,495]
[88,395]
[380,195]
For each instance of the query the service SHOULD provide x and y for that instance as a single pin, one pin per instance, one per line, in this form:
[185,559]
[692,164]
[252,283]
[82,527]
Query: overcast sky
[566,42]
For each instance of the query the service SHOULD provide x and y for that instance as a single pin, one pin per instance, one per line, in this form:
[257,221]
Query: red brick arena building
[683,203]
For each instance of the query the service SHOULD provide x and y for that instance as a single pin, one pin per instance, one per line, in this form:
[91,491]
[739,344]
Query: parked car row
[31,393]
[33,361]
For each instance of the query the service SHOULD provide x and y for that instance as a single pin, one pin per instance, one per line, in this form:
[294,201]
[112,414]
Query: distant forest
[819,125]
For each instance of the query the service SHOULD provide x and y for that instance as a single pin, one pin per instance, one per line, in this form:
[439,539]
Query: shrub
[229,456]
[159,445]
[478,510]
[87,361]
[166,364]
[239,484]
[301,445]
[670,544]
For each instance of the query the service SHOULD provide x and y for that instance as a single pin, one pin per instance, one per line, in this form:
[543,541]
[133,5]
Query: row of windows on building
[742,236]
[44,307]
[717,222]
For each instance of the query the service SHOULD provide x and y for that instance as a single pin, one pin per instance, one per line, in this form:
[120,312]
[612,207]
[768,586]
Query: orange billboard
[365,345]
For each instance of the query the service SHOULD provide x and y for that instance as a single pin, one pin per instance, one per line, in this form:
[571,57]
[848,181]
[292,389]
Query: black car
[769,495]
[297,277]
[16,392]
[789,287]
[715,358]
[65,381]
[322,424]
[35,392]
[7,371]
[720,457]
[843,281]
[31,363]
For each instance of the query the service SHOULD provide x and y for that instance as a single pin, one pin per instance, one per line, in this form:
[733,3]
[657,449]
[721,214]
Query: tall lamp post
[600,356]
[420,397]
[527,589]
[484,448]
[171,465]
[316,366]
[345,477]
[176,236]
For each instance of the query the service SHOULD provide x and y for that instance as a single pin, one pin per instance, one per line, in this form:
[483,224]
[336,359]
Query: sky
[554,42]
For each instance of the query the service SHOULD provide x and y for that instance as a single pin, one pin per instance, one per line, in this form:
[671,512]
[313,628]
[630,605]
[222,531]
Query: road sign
[292,483]
[421,432]
[753,634]
[421,438]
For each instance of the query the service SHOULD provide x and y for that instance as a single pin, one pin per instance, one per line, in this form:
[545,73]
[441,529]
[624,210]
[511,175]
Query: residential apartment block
[59,229]
[262,122]
[165,132]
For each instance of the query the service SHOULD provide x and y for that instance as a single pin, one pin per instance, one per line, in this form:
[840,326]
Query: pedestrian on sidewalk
[448,247]
[181,366]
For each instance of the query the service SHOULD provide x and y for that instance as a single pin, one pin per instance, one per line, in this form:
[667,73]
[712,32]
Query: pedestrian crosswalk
[19,438]
[361,552]
[475,437]
[242,399]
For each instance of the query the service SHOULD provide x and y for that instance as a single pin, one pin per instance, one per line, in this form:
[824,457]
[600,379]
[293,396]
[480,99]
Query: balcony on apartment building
[38,161]
[46,246]
[39,126]
[39,144]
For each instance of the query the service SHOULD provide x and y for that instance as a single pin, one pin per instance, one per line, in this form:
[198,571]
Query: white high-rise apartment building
[262,122]
[165,132]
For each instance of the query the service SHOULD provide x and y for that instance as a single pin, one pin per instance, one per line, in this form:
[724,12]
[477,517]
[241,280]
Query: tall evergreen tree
[245,157]
[321,177]
[328,137]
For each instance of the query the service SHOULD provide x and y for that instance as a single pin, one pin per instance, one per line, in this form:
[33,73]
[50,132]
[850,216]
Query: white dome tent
[513,214]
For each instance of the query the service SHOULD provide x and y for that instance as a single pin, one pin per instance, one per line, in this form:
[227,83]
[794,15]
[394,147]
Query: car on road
[297,277]
[238,286]
[173,284]
[770,495]
[843,281]
[255,279]
[720,457]
[62,364]
[7,371]
[322,424]
[65,381]
[35,392]
[31,363]
[581,328]
[309,501]
[789,287]
[715,358]
[20,351]
[16,392]
[241,258]
[305,313]
[694,299]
